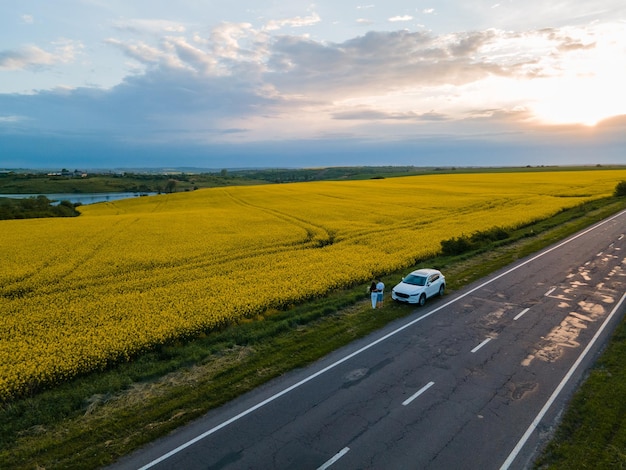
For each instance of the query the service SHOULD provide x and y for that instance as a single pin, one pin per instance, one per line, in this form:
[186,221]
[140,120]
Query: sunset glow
[300,84]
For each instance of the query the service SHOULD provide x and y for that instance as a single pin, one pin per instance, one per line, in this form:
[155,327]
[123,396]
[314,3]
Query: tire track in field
[43,281]
[311,229]
[199,261]
[331,235]
[356,237]
[100,243]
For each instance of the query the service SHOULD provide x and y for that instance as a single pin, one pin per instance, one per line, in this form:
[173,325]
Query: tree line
[36,207]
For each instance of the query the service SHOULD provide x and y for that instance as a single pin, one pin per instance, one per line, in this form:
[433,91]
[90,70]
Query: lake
[83,198]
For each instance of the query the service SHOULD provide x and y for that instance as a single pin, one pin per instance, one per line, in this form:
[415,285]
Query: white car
[419,286]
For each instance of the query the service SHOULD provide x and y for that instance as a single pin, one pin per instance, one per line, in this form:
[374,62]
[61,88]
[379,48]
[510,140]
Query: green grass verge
[592,434]
[93,420]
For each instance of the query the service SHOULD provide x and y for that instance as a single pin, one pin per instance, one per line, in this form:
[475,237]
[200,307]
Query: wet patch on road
[591,309]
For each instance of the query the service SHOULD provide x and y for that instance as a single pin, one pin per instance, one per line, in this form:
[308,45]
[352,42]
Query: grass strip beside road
[93,420]
[592,433]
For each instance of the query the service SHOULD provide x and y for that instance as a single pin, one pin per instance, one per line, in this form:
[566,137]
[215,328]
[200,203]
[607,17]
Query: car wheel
[441,289]
[422,300]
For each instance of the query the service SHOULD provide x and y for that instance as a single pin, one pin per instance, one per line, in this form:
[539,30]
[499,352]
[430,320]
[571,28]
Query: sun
[587,87]
[581,100]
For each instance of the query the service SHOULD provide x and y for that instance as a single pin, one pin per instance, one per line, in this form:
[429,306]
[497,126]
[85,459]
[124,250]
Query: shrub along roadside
[620,189]
[95,419]
[476,241]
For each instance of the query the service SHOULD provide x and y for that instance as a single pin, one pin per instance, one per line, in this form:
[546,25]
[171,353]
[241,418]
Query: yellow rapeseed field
[77,294]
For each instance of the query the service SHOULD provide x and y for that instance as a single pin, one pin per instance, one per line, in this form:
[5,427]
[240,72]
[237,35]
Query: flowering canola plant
[78,294]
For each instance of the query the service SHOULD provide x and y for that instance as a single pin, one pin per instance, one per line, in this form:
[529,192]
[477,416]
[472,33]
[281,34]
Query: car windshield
[415,280]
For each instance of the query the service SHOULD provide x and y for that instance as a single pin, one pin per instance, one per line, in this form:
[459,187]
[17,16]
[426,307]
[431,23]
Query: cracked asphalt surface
[461,383]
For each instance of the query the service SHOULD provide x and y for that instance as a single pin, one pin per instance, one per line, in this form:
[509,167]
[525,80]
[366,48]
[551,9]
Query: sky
[264,83]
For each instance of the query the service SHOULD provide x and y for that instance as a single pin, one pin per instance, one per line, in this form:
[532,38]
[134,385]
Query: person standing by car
[380,289]
[374,294]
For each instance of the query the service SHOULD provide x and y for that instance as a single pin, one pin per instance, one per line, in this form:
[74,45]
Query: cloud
[139,51]
[28,19]
[611,129]
[516,117]
[11,119]
[366,114]
[378,62]
[204,83]
[574,45]
[229,47]
[149,26]
[236,42]
[375,63]
[24,57]
[31,56]
[241,84]
[395,19]
[296,22]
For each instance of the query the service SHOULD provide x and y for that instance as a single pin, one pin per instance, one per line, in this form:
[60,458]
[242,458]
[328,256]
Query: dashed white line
[481,345]
[287,390]
[507,463]
[337,456]
[519,315]
[418,393]
[547,294]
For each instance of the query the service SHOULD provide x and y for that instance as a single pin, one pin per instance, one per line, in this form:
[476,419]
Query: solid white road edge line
[366,347]
[519,315]
[337,456]
[418,393]
[557,391]
[481,345]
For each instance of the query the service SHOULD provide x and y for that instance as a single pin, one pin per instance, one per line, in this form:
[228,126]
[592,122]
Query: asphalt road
[475,380]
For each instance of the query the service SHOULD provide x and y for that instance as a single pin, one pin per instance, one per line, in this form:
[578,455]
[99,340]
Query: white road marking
[337,456]
[558,389]
[366,347]
[418,393]
[481,345]
[519,315]
[547,294]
